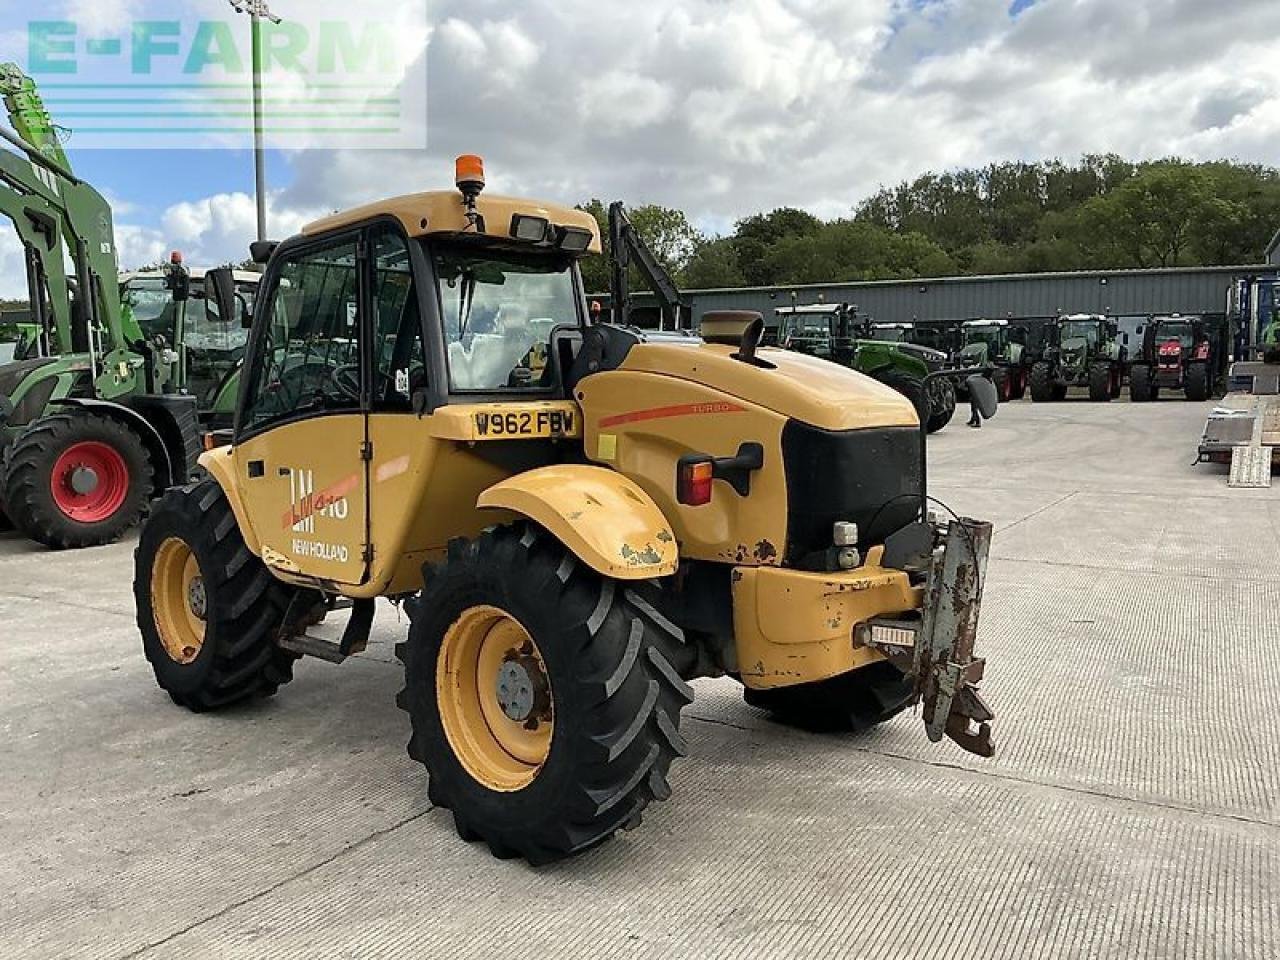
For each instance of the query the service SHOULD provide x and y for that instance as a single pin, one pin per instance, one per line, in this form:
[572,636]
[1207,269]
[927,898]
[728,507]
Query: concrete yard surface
[1132,627]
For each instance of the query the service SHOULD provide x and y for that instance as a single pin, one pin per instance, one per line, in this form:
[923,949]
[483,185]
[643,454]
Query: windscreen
[498,312]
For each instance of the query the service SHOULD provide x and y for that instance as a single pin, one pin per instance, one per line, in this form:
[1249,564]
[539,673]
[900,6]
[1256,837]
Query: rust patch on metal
[765,551]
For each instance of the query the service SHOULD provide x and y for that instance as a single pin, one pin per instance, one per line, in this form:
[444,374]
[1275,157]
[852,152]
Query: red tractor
[1177,354]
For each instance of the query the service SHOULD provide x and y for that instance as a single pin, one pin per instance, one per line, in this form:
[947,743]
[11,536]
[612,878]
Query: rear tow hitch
[939,645]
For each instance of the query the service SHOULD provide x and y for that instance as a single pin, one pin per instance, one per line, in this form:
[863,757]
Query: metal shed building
[1115,292]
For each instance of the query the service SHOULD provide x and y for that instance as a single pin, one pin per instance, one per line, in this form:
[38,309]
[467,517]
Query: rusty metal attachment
[946,671]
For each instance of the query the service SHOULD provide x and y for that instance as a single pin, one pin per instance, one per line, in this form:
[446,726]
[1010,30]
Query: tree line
[1103,212]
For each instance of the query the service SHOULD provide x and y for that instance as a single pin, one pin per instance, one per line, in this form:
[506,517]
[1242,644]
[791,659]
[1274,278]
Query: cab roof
[443,213]
[197,274]
[811,308]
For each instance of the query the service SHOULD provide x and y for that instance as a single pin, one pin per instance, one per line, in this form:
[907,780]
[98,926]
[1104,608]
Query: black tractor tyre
[1017,385]
[614,695]
[1140,383]
[853,701]
[243,609]
[1043,389]
[1198,387]
[1100,382]
[29,482]
[942,403]
[909,386]
[1003,384]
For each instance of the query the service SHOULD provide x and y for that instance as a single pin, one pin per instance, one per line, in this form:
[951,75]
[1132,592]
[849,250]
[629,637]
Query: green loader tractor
[836,332]
[1080,350]
[95,416]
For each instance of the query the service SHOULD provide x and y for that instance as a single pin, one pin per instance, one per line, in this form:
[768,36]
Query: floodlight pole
[257,9]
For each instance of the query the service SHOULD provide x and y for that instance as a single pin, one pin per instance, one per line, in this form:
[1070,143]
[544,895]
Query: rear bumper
[793,627]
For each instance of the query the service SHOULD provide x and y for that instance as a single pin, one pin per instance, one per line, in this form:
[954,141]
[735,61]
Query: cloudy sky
[727,107]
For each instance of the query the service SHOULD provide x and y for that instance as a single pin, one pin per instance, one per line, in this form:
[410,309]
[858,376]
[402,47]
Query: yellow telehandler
[579,518]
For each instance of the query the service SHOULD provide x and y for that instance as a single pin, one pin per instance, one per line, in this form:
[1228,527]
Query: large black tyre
[1100,382]
[1198,386]
[909,386]
[613,696]
[942,403]
[34,480]
[238,612]
[853,701]
[1017,384]
[1141,383]
[1041,383]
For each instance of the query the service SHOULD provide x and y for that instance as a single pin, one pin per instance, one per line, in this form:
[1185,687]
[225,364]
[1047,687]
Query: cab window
[399,359]
[309,360]
[498,315]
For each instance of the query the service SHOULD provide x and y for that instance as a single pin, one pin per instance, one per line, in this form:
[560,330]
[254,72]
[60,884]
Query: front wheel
[942,403]
[1198,381]
[909,386]
[543,697]
[1100,382]
[77,480]
[209,611]
[1042,386]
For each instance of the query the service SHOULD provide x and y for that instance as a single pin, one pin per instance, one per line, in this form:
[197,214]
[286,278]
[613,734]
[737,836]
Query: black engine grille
[871,477]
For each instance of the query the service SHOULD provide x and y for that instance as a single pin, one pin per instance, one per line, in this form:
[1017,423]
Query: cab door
[301,448]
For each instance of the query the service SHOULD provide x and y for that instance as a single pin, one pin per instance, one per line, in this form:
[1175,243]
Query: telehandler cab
[579,519]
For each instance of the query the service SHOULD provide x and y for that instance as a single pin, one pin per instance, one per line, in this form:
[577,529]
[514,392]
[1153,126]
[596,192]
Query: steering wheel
[346,379]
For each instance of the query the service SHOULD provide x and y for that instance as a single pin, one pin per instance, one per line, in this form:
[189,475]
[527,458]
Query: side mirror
[984,395]
[220,287]
[260,251]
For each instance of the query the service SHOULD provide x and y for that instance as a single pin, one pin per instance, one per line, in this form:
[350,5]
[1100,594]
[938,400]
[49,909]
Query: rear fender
[602,517]
[151,438]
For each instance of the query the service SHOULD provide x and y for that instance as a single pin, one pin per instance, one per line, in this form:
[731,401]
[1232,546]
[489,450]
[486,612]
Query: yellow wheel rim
[494,697]
[178,600]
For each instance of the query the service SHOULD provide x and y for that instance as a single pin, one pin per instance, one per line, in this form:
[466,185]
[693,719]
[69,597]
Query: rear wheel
[1041,381]
[1100,382]
[543,697]
[77,480]
[850,702]
[909,386]
[209,611]
[942,403]
[1198,381]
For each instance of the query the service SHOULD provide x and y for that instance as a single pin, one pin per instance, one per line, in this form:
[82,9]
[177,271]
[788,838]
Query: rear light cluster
[694,477]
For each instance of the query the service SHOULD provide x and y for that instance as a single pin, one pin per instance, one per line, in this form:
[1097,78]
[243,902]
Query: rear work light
[694,476]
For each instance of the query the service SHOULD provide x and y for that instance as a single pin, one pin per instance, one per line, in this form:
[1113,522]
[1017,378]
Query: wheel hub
[196,599]
[522,692]
[83,481]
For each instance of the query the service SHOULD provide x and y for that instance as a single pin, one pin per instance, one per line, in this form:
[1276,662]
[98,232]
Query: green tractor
[994,343]
[1080,350]
[836,332]
[95,417]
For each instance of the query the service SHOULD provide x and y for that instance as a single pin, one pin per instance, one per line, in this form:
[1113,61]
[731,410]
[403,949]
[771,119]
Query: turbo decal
[681,410]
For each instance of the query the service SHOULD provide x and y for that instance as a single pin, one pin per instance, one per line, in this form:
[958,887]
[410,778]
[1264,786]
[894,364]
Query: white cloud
[727,107]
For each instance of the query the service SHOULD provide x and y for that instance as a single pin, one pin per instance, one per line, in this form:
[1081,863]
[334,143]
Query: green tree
[714,264]
[757,235]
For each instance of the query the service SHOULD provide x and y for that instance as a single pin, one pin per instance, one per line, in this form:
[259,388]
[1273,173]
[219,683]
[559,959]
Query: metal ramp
[1244,427]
